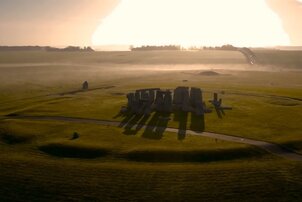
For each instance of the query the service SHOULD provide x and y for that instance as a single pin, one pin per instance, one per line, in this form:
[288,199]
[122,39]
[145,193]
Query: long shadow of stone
[142,122]
[118,115]
[156,126]
[129,130]
[162,123]
[197,123]
[130,120]
[128,116]
[182,118]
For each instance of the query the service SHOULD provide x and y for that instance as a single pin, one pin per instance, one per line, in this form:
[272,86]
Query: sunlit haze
[120,23]
[191,23]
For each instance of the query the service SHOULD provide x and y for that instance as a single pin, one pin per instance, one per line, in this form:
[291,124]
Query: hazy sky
[186,22]
[290,13]
[51,22]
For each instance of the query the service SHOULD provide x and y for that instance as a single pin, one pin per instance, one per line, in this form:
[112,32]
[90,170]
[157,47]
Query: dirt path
[269,147]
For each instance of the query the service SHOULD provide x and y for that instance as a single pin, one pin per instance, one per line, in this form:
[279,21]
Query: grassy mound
[193,156]
[209,73]
[73,151]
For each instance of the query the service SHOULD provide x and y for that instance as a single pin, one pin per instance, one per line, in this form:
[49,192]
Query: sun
[191,23]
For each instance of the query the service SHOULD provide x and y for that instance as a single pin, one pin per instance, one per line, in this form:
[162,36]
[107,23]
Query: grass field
[40,161]
[135,57]
[288,59]
[134,168]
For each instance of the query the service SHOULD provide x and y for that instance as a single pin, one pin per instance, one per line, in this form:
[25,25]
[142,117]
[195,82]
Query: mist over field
[140,100]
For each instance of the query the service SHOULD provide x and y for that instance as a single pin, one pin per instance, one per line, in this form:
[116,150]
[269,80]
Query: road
[267,146]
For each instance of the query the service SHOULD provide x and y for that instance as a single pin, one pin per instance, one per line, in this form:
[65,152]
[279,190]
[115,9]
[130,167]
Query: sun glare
[191,23]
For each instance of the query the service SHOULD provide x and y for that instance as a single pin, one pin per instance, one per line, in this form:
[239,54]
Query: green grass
[9,137]
[126,57]
[135,168]
[289,59]
[39,160]
[260,100]
[29,177]
[112,138]
[99,141]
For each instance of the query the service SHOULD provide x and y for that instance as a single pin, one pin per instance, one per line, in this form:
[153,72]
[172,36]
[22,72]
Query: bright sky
[147,22]
[51,22]
[192,22]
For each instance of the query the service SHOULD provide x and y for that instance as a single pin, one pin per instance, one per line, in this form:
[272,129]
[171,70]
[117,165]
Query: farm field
[129,162]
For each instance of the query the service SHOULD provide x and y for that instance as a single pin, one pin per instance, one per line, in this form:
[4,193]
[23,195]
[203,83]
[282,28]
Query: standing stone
[199,109]
[197,101]
[167,101]
[137,95]
[181,98]
[177,97]
[195,96]
[215,97]
[215,101]
[85,85]
[133,102]
[159,100]
[186,107]
[130,97]
[151,96]
[145,95]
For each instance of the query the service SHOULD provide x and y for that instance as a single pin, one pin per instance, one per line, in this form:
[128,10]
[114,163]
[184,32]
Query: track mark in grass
[209,73]
[283,102]
[83,91]
[117,94]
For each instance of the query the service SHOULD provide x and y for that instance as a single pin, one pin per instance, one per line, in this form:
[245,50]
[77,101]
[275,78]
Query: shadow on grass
[142,122]
[194,156]
[129,126]
[182,118]
[154,128]
[157,125]
[197,123]
[13,138]
[73,151]
[293,145]
[127,117]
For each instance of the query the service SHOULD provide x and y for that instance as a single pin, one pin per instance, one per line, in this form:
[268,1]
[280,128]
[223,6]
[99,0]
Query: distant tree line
[224,47]
[195,48]
[46,48]
[70,49]
[20,48]
[176,47]
[150,48]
